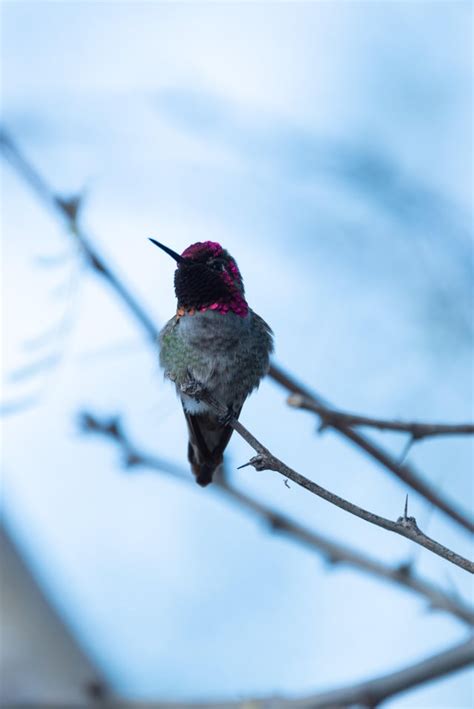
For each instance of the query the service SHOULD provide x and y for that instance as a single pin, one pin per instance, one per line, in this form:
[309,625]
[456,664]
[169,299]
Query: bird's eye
[216,264]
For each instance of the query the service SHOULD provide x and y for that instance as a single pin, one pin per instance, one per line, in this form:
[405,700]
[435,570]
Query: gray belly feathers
[227,354]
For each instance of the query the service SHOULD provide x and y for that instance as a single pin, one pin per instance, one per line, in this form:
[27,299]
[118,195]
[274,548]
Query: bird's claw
[226,418]
[193,389]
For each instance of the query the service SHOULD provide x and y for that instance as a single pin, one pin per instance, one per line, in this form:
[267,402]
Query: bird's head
[207,278]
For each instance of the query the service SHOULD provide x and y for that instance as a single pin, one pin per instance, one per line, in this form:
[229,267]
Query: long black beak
[170,252]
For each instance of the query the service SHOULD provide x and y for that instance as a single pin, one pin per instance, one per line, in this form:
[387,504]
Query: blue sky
[327,146]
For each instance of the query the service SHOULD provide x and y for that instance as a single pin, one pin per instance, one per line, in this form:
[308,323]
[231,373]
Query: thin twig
[406,449]
[68,211]
[265,460]
[404,472]
[416,430]
[405,526]
[402,575]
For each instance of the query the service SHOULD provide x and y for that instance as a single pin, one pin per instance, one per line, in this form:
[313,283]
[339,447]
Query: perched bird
[216,341]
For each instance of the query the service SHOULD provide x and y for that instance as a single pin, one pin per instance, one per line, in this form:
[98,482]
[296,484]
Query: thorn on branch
[406,521]
[259,462]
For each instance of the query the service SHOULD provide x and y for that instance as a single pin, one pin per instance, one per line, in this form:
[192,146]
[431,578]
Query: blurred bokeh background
[328,146]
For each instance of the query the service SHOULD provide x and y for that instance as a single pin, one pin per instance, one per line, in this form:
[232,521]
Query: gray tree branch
[265,460]
[416,430]
[404,472]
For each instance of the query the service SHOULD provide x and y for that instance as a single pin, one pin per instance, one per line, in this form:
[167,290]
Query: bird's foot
[194,389]
[226,418]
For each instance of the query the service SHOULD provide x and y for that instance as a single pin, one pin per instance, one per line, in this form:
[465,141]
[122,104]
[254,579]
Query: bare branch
[405,526]
[334,552]
[416,430]
[365,694]
[265,460]
[132,456]
[404,472]
[98,264]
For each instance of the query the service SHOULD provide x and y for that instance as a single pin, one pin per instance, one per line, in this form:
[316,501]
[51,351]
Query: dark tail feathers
[208,438]
[202,470]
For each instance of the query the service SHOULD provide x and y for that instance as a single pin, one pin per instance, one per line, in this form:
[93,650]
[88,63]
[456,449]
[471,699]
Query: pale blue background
[328,147]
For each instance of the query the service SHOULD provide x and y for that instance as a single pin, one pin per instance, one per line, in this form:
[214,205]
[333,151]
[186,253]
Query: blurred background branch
[374,692]
[367,694]
[416,430]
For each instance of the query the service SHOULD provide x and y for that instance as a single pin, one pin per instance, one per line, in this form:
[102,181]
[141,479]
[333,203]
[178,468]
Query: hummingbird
[216,341]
